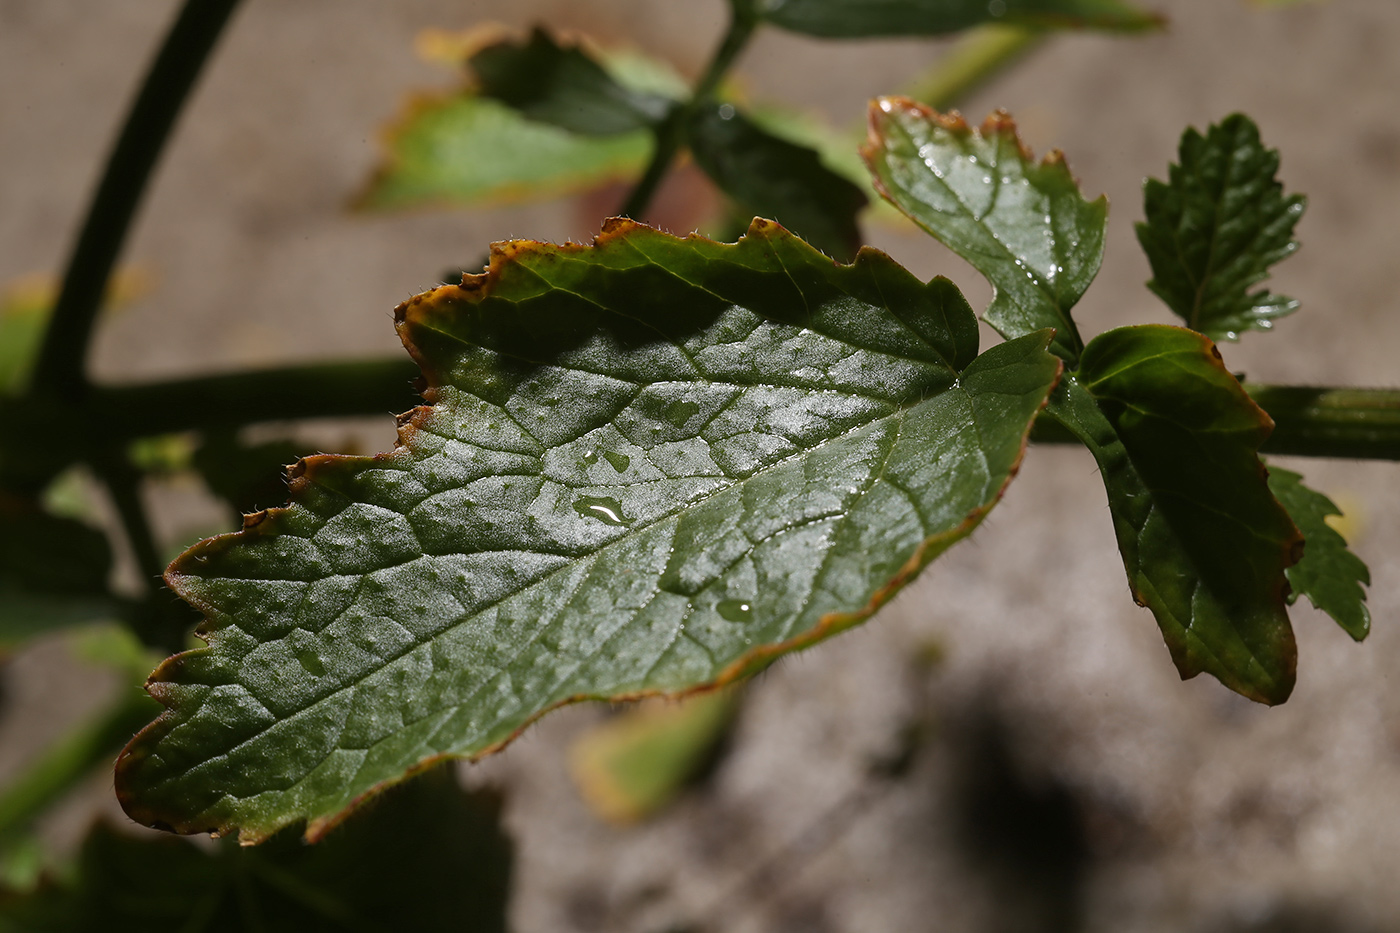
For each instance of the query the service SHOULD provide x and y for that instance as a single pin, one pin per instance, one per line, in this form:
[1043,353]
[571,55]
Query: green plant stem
[124,486]
[73,758]
[670,133]
[1309,421]
[61,366]
[980,55]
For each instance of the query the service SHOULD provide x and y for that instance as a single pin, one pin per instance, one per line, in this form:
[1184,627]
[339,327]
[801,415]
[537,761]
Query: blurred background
[1007,747]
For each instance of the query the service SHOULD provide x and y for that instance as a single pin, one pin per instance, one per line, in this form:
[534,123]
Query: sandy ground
[1063,778]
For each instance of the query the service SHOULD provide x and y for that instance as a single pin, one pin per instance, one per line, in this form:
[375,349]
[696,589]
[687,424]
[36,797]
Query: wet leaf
[465,149]
[1203,540]
[1023,224]
[429,856]
[1329,575]
[623,440]
[564,86]
[851,19]
[634,764]
[1216,227]
[772,177]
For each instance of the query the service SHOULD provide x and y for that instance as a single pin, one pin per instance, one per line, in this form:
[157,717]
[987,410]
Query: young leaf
[1216,228]
[1203,540]
[564,86]
[650,465]
[429,856]
[1329,575]
[1023,224]
[771,177]
[466,149]
[851,19]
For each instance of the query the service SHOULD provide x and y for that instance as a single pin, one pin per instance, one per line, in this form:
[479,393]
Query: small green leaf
[1204,542]
[465,149]
[1214,230]
[1329,575]
[1023,224]
[565,87]
[634,764]
[624,438]
[772,177]
[429,856]
[853,19]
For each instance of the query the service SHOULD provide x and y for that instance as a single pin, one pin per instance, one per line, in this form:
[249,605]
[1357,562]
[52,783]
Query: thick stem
[1309,421]
[670,134]
[72,758]
[980,55]
[61,366]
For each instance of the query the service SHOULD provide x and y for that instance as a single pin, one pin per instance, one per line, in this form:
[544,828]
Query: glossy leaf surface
[1329,574]
[849,19]
[1214,229]
[467,149]
[650,465]
[1023,224]
[429,856]
[564,86]
[1204,542]
[772,177]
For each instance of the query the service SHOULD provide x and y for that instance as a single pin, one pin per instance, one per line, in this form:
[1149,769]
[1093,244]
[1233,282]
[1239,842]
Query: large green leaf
[1216,227]
[851,19]
[1329,575]
[427,857]
[1021,223]
[650,465]
[465,149]
[1204,542]
[772,177]
[564,86]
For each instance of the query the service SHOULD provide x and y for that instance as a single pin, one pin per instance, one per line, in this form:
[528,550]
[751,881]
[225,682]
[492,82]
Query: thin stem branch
[124,486]
[670,134]
[978,57]
[61,365]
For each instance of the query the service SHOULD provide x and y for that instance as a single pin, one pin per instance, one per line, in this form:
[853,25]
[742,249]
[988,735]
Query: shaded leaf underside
[650,465]
[1023,224]
[1204,542]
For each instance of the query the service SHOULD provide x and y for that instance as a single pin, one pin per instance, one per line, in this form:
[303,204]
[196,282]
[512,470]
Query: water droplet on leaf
[605,509]
[619,461]
[735,610]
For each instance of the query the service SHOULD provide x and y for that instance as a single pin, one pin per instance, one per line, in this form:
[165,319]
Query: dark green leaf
[427,857]
[465,149]
[1021,223]
[1217,227]
[565,87]
[1203,540]
[771,177]
[650,465]
[53,572]
[852,19]
[1329,575]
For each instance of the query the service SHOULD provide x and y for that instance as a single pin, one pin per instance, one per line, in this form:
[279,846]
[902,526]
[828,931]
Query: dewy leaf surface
[1329,575]
[772,177]
[1214,229]
[1023,224]
[849,19]
[650,465]
[1204,542]
[564,86]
